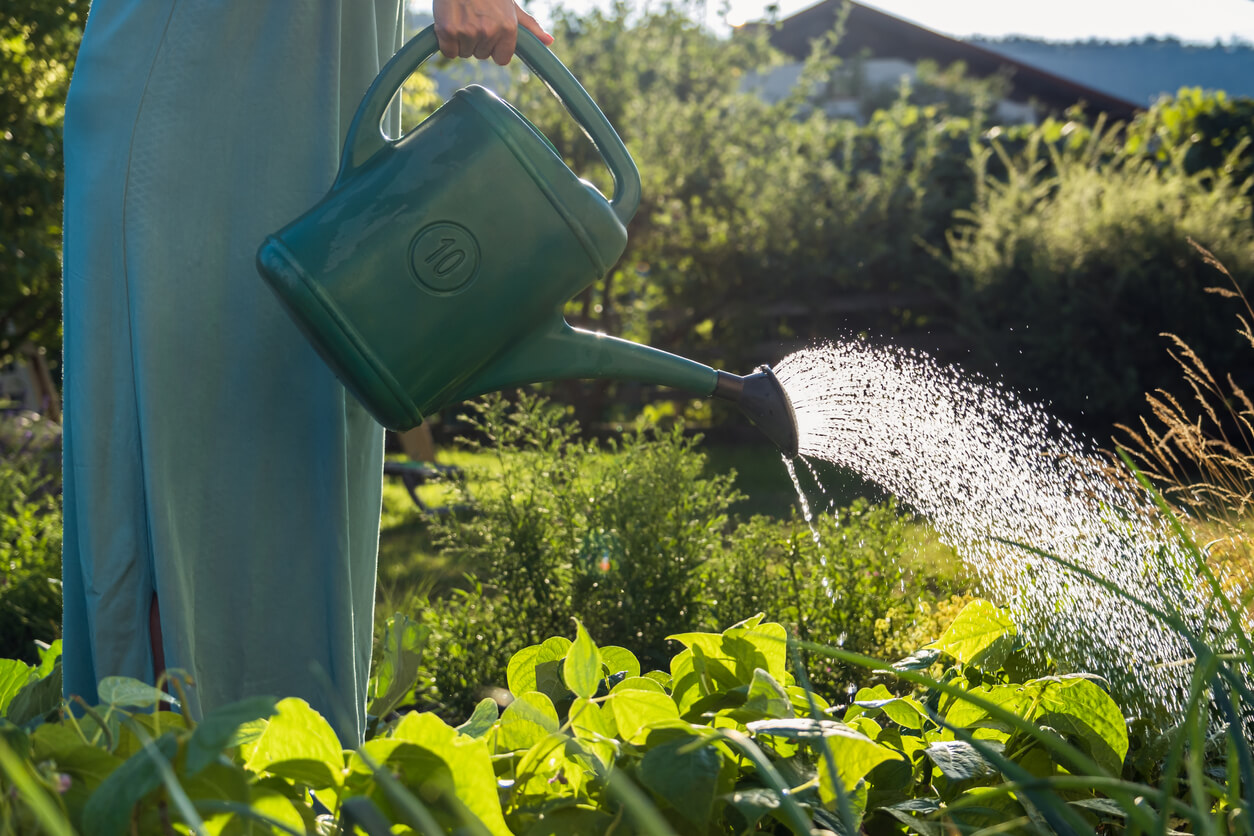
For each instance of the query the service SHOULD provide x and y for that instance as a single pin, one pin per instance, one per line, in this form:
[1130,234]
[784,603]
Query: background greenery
[1050,256]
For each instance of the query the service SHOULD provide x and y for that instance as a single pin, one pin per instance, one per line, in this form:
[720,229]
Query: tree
[38,42]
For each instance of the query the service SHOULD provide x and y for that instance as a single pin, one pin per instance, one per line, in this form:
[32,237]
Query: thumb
[529,23]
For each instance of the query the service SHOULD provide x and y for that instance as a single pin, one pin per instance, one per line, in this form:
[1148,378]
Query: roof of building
[886,36]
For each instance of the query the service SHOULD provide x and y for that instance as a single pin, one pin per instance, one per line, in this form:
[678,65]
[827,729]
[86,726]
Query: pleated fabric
[210,456]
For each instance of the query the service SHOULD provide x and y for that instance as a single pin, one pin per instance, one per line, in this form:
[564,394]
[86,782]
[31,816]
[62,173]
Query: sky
[1204,21]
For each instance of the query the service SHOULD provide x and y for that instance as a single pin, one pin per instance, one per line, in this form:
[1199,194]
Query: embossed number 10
[444,263]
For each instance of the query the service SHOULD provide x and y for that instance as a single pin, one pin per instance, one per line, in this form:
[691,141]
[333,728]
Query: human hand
[482,28]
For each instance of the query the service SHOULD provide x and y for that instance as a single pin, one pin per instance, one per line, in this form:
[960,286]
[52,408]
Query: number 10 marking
[444,263]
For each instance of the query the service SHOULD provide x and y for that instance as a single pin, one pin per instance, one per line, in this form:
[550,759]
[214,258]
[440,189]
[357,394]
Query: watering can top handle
[365,137]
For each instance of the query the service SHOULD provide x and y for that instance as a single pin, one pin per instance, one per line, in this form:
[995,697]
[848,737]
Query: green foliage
[830,583]
[30,535]
[38,40]
[1071,265]
[614,536]
[726,738]
[748,207]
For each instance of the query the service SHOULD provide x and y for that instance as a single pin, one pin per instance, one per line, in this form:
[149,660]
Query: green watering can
[437,266]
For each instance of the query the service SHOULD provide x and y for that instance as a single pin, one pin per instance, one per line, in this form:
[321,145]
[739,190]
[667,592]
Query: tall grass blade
[246,812]
[50,817]
[843,809]
[798,821]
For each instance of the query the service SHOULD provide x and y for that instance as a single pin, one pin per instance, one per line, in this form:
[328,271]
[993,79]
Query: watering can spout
[560,351]
[761,397]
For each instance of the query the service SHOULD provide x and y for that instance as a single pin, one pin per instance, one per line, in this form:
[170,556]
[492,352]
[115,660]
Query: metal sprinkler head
[761,397]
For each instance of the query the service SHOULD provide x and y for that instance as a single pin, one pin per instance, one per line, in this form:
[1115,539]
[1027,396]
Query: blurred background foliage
[1051,256]
[38,42]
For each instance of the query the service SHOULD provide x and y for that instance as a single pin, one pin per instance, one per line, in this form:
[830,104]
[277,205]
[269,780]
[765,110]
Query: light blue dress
[210,456]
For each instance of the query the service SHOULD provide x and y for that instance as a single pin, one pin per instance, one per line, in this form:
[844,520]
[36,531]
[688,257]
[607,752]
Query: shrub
[30,535]
[829,584]
[614,535]
[633,540]
[1070,268]
[38,41]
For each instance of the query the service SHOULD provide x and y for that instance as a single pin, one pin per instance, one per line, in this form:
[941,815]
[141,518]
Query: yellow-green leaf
[582,671]
[981,628]
[299,744]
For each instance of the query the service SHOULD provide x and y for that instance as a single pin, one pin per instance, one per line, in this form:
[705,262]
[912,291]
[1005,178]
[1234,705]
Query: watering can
[437,266]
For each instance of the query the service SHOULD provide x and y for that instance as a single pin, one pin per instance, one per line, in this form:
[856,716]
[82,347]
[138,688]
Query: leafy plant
[830,581]
[1076,251]
[30,535]
[38,41]
[728,738]
[615,535]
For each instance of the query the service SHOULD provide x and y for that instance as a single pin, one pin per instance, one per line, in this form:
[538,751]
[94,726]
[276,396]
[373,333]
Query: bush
[756,217]
[634,541]
[831,583]
[1070,268]
[38,41]
[613,535]
[30,535]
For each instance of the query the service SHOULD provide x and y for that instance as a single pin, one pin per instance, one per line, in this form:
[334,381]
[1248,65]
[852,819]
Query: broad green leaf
[39,698]
[636,713]
[904,711]
[51,740]
[752,804]
[959,760]
[741,649]
[990,808]
[797,728]
[620,660]
[87,766]
[767,697]
[1017,699]
[685,776]
[594,727]
[108,810]
[587,719]
[1080,709]
[573,821]
[299,744]
[540,671]
[14,675]
[854,754]
[1073,705]
[582,671]
[218,729]
[481,719]
[660,677]
[279,808]
[525,721]
[867,726]
[981,629]
[638,683]
[548,771]
[397,668]
[145,725]
[468,760]
[554,647]
[907,813]
[520,674]
[123,691]
[48,658]
[220,781]
[687,686]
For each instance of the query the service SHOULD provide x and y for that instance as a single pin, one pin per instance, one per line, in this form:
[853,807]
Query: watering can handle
[365,136]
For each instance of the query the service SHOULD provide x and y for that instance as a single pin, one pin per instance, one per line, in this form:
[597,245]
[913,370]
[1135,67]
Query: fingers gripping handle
[365,136]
